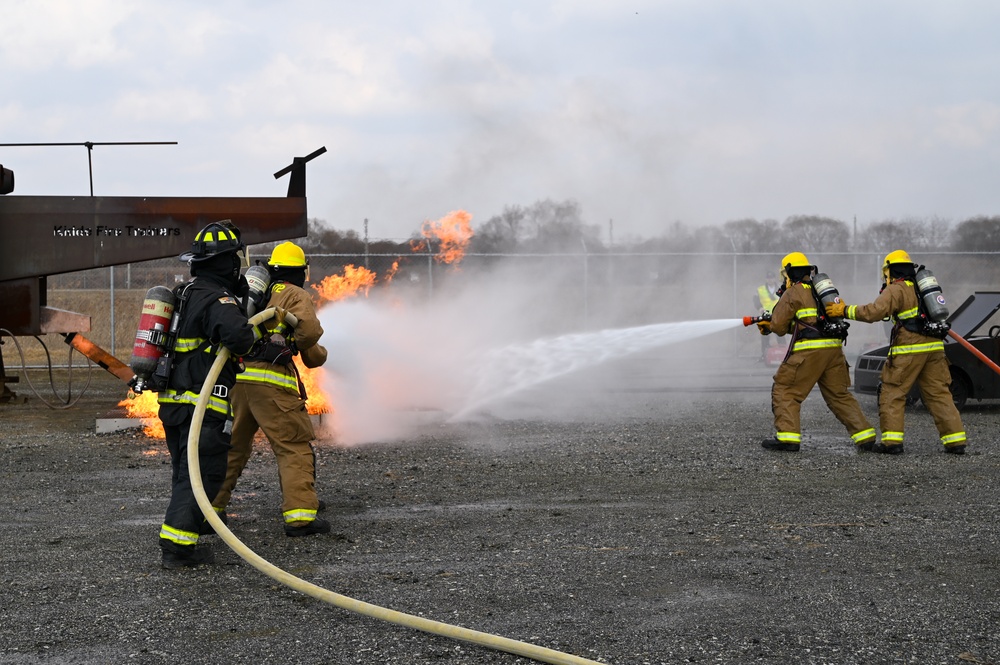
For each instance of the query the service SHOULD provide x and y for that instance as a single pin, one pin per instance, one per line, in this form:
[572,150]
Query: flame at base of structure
[145,406]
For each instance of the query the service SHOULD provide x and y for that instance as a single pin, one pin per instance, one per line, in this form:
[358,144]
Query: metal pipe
[974,351]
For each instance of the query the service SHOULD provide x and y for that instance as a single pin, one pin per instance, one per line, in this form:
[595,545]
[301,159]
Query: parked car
[971,378]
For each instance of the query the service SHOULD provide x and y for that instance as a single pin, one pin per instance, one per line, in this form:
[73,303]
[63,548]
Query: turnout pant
[184,519]
[286,424]
[930,371]
[796,378]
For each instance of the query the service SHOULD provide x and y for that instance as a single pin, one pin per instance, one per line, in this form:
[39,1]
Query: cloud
[76,35]
[647,113]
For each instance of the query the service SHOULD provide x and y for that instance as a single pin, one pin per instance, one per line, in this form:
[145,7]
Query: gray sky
[644,112]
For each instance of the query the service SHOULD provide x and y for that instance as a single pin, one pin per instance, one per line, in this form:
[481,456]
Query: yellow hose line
[541,654]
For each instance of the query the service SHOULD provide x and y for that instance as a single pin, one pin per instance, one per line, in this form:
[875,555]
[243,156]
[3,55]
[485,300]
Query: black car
[971,378]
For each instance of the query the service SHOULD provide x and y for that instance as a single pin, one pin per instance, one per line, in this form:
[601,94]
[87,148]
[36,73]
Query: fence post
[430,270]
[112,269]
[586,284]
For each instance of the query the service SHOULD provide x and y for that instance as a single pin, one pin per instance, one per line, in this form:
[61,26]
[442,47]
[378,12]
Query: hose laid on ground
[496,642]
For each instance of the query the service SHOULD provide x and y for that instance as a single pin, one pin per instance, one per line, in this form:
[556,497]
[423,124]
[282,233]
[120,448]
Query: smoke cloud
[400,359]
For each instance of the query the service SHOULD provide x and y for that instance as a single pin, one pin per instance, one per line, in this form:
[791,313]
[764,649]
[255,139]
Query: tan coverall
[266,396]
[913,358]
[811,359]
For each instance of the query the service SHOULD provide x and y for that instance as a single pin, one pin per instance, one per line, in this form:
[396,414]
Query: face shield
[243,253]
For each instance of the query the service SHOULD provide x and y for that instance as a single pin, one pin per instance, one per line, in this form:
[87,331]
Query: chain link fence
[568,292]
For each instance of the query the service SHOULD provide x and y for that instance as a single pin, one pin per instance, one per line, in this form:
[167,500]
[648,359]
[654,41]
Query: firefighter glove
[764,327]
[279,315]
[835,310]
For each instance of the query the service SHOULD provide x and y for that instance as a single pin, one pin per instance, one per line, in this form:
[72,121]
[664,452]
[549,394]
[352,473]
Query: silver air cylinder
[258,279]
[931,294]
[827,292]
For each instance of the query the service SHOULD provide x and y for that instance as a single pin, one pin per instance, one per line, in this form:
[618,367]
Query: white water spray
[390,363]
[509,370]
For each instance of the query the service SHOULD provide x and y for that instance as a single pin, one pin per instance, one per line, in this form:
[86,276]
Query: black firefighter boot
[317,525]
[185,556]
[774,444]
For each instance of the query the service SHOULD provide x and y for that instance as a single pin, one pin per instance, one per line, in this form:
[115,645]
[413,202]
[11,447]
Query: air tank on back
[151,335]
[827,292]
[932,295]
[258,279]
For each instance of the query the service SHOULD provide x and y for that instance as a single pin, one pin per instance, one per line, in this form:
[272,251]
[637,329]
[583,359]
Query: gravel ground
[654,530]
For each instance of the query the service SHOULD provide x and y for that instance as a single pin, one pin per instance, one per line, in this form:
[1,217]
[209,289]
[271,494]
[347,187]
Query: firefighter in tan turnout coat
[269,396]
[815,356]
[914,357]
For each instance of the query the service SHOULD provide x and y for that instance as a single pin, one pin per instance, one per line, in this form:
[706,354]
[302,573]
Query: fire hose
[974,351]
[540,654]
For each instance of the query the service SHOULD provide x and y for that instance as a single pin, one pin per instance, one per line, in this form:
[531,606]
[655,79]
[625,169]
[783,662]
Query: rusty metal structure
[41,236]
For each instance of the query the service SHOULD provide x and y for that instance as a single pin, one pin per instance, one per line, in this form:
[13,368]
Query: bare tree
[544,226]
[978,234]
[749,235]
[501,233]
[910,233]
[812,233]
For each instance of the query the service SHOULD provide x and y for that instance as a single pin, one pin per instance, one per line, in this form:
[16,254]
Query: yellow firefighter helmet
[793,260]
[895,257]
[287,255]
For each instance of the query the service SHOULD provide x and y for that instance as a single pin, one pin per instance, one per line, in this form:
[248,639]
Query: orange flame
[338,287]
[454,231]
[392,272]
[145,406]
[316,400]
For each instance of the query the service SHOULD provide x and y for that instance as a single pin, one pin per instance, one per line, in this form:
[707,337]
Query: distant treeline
[549,226]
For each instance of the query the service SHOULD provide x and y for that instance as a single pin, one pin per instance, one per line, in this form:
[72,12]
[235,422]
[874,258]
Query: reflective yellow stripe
[957,437]
[178,536]
[805,312]
[258,375]
[188,344]
[863,435]
[216,404]
[788,437]
[851,311]
[926,347]
[807,344]
[893,437]
[210,237]
[909,314]
[299,515]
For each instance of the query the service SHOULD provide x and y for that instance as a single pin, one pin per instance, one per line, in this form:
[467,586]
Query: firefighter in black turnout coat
[211,317]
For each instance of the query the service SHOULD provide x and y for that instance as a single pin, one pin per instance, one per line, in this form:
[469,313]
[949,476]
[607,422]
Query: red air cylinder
[157,308]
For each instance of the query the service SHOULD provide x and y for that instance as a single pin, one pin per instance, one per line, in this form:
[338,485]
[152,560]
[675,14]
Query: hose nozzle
[751,320]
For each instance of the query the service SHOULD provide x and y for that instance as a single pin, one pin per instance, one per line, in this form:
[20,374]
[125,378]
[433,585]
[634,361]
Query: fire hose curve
[496,642]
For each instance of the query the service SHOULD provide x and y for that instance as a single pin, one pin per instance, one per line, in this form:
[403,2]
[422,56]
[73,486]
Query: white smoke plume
[398,359]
